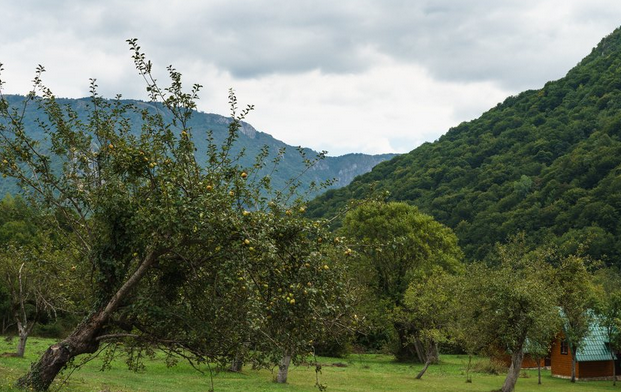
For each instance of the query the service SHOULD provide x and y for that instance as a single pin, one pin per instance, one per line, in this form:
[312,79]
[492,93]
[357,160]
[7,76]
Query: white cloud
[360,112]
[347,76]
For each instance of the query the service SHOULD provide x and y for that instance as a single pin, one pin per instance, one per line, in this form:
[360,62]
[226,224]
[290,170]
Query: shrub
[491,366]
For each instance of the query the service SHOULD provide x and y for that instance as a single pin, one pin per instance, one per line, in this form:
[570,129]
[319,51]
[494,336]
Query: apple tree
[37,269]
[166,235]
[303,294]
[509,302]
[39,281]
[430,308]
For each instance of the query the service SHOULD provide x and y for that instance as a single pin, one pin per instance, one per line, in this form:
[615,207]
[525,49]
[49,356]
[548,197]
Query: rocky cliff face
[352,165]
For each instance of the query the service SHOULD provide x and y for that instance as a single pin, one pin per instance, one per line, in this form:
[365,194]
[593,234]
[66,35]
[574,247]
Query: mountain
[546,162]
[341,169]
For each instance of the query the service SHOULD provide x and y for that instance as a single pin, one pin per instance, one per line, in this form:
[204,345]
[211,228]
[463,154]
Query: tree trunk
[435,353]
[614,365]
[573,367]
[468,378]
[424,369]
[420,350]
[614,373]
[6,324]
[83,340]
[514,371]
[237,363]
[22,331]
[430,354]
[539,371]
[283,368]
[21,318]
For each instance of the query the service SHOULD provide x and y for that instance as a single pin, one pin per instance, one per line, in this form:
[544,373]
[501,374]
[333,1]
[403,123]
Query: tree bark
[283,368]
[237,363]
[468,378]
[614,365]
[430,358]
[435,353]
[424,369]
[514,371]
[573,367]
[83,340]
[420,351]
[539,371]
[22,331]
[24,327]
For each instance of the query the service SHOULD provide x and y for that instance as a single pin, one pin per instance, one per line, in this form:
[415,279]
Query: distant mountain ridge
[546,162]
[343,169]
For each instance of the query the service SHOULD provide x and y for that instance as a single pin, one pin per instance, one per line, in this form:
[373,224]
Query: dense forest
[337,171]
[546,162]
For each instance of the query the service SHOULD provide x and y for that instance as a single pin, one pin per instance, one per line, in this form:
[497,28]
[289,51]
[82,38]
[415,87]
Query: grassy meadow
[368,372]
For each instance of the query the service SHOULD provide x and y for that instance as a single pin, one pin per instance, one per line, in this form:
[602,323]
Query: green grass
[367,372]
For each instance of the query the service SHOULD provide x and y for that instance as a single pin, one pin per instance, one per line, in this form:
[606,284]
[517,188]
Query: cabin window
[564,347]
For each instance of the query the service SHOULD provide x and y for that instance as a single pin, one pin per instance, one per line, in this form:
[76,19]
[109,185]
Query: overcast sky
[345,76]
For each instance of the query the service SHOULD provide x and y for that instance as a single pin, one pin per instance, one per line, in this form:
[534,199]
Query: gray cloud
[456,40]
[317,54]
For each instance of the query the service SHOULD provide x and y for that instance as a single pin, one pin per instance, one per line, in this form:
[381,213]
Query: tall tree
[5,307]
[394,242]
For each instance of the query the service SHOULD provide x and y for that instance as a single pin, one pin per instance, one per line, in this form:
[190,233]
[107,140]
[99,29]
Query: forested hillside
[342,169]
[546,162]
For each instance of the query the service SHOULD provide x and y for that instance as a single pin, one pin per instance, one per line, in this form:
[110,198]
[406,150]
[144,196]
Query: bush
[490,366]
[58,328]
[333,349]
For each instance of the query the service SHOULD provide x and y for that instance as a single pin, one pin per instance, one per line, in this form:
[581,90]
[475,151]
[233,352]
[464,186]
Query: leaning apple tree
[194,259]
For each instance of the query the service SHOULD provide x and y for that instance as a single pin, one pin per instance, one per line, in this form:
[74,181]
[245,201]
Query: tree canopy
[395,243]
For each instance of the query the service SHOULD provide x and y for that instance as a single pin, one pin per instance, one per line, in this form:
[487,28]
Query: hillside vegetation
[546,162]
[341,169]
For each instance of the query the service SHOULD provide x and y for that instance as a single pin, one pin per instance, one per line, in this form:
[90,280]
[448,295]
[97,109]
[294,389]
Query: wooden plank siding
[561,364]
[595,369]
[531,363]
[527,363]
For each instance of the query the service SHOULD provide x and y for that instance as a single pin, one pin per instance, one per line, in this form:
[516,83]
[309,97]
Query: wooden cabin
[594,360]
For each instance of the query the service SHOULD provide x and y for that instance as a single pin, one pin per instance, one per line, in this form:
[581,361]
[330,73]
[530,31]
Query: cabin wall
[594,369]
[529,362]
[561,363]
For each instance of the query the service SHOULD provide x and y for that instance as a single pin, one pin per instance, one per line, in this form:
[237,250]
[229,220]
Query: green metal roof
[595,345]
